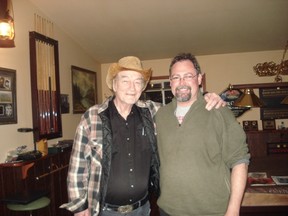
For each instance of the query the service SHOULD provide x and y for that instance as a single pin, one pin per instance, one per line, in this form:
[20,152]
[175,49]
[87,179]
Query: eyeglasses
[188,77]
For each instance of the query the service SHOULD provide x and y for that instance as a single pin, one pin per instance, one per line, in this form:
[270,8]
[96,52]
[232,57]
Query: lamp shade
[7,31]
[248,99]
[285,100]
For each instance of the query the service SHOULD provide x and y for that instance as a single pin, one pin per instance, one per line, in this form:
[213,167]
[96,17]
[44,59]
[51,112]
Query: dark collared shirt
[131,157]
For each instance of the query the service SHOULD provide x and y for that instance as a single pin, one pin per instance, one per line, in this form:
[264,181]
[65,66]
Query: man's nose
[182,80]
[132,85]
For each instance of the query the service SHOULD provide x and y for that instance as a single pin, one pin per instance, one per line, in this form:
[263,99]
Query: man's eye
[138,82]
[188,77]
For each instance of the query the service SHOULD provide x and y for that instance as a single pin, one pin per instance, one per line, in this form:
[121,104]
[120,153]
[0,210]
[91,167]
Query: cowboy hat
[127,63]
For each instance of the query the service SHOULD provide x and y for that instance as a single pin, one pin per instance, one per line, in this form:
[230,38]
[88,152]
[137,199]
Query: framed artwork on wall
[8,106]
[269,124]
[84,89]
[272,98]
[65,106]
[250,125]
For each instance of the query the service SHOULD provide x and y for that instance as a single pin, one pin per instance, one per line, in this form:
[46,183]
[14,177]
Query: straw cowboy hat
[127,63]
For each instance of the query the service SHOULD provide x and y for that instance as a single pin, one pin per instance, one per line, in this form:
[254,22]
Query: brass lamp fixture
[248,99]
[7,31]
[285,100]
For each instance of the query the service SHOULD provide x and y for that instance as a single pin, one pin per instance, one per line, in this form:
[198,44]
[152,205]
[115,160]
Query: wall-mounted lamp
[249,99]
[7,31]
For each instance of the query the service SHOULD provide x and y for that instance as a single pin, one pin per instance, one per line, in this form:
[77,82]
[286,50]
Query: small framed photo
[65,106]
[269,124]
[250,125]
[8,107]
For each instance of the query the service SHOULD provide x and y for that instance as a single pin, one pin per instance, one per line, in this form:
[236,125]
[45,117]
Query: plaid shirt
[85,166]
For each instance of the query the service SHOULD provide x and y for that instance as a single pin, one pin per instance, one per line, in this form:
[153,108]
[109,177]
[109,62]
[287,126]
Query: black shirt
[131,158]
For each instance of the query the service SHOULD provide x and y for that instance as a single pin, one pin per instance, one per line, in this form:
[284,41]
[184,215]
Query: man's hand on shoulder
[213,100]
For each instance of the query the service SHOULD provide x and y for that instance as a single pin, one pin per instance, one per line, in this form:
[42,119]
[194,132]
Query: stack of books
[259,179]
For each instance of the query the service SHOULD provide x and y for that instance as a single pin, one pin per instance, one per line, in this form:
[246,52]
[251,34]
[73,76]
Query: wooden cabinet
[268,151]
[269,154]
[264,143]
[47,173]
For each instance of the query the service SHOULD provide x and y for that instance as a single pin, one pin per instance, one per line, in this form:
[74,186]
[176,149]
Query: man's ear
[113,85]
[199,79]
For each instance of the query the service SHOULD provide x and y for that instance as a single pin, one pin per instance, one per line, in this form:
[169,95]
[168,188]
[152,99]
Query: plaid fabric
[85,167]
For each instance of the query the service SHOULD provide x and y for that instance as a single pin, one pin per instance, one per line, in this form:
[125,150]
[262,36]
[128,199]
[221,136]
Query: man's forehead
[183,66]
[130,73]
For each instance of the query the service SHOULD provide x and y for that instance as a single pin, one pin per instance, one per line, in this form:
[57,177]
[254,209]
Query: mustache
[183,87]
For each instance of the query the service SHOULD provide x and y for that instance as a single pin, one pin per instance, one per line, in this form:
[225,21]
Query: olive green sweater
[197,157]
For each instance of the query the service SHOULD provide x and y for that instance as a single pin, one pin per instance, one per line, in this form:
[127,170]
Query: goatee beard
[183,97]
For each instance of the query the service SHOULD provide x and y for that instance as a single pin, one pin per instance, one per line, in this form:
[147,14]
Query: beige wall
[18,59]
[220,71]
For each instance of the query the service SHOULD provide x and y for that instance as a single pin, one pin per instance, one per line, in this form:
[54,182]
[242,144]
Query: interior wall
[18,58]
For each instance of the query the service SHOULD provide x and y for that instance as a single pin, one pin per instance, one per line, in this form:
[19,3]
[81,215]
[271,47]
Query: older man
[114,161]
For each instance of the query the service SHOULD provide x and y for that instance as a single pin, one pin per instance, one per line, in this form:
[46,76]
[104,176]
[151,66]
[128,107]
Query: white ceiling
[155,29]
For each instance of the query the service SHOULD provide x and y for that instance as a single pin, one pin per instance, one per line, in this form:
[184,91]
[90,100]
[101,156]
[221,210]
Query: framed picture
[65,107]
[230,96]
[269,124]
[8,107]
[250,125]
[272,98]
[84,89]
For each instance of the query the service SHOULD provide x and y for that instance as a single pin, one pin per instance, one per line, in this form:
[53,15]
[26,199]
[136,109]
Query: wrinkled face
[185,82]
[128,86]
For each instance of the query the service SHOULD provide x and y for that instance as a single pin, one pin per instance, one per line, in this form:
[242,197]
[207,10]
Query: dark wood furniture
[269,153]
[265,204]
[48,173]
